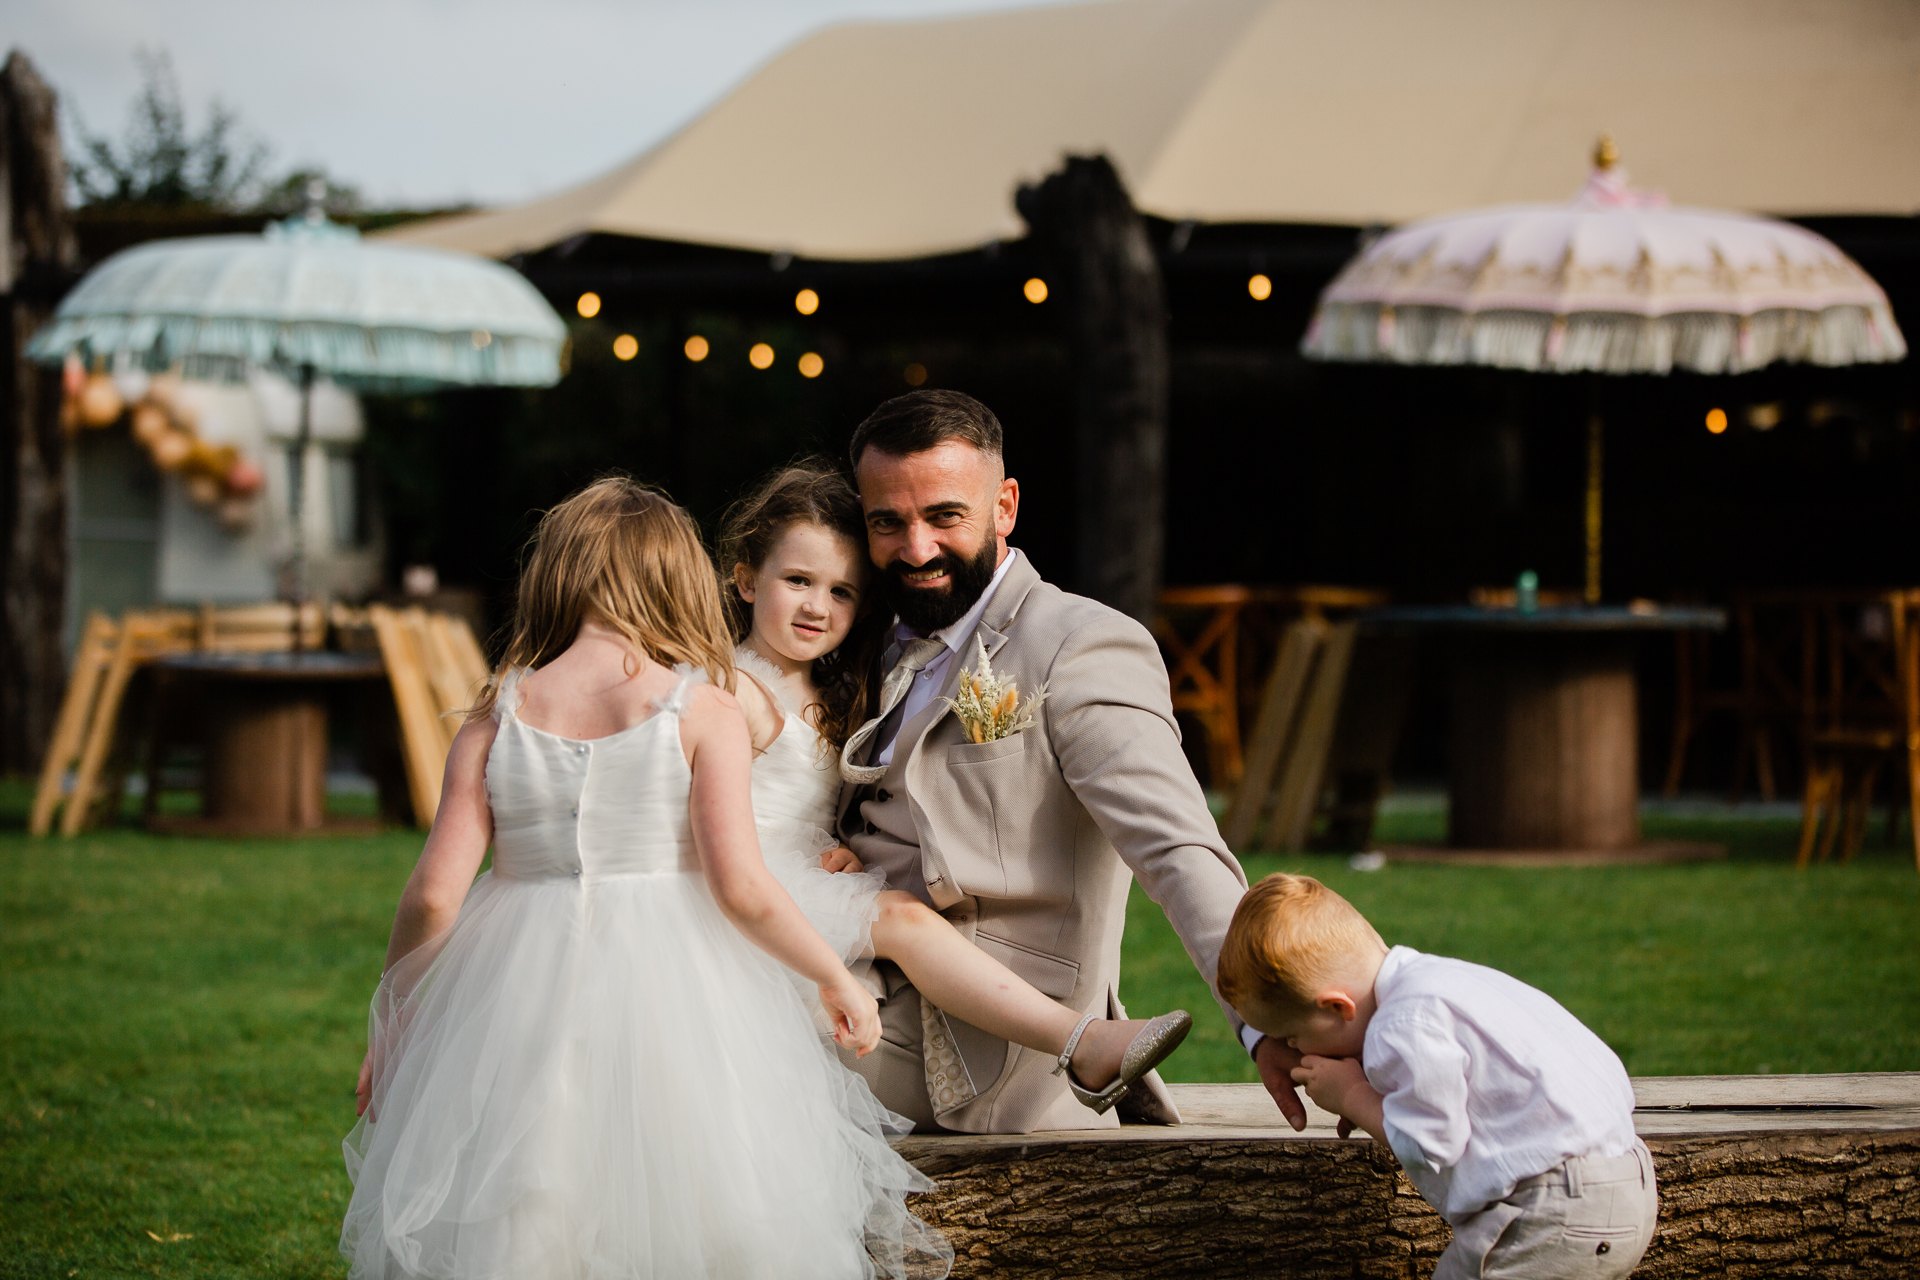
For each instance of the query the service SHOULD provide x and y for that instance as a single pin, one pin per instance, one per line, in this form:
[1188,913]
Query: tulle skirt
[841,905]
[607,1080]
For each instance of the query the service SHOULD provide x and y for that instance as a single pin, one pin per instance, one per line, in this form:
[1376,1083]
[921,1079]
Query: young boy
[1510,1117]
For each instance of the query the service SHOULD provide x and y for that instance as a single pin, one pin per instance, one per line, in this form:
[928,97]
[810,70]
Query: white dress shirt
[933,676]
[1486,1080]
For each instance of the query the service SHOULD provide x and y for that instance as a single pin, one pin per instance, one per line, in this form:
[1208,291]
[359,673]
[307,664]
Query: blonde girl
[590,1061]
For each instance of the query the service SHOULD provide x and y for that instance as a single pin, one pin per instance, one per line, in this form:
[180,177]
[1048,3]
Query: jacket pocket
[962,753]
[1049,974]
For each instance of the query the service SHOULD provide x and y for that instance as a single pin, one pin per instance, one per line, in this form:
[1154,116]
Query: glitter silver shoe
[1148,1049]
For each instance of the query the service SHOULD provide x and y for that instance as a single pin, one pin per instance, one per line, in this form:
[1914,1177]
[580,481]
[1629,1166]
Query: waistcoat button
[872,830]
[885,795]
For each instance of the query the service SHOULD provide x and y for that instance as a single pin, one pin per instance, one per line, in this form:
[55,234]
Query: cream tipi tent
[880,140]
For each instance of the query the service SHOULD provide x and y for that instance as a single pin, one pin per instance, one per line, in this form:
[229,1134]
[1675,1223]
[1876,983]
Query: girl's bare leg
[974,987]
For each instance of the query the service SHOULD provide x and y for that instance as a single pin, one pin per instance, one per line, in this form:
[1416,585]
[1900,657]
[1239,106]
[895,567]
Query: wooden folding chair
[1293,737]
[86,730]
[1199,627]
[436,668]
[260,628]
[98,642]
[1869,715]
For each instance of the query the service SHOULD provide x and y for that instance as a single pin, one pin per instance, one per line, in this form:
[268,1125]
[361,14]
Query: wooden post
[1106,281]
[38,255]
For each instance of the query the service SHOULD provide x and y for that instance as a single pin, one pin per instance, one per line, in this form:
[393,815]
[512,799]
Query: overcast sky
[427,102]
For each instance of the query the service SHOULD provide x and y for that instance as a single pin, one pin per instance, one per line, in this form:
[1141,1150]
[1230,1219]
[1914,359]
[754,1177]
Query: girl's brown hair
[812,491]
[621,554]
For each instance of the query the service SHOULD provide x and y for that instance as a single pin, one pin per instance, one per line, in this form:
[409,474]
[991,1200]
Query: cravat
[893,691]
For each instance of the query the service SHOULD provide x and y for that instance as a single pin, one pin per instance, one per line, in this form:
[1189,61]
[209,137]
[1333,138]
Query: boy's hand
[855,1014]
[841,859]
[1276,1063]
[1340,1085]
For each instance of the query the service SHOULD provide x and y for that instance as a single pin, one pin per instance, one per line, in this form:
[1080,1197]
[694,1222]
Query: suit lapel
[990,632]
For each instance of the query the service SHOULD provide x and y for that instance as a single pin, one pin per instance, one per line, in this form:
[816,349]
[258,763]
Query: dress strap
[767,676]
[674,702]
[506,701]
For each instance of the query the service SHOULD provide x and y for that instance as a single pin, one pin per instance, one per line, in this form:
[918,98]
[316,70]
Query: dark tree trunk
[1106,281]
[38,255]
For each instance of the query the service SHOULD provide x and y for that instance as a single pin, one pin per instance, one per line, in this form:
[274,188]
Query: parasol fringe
[1604,342]
[348,352]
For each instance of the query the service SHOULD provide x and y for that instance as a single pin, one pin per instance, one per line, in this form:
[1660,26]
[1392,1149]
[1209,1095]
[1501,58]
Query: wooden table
[1544,749]
[266,733]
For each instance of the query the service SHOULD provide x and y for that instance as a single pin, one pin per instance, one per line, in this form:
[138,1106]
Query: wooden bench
[1759,1176]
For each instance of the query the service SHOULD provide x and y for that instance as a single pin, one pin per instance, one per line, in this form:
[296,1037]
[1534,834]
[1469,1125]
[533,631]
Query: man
[1027,844]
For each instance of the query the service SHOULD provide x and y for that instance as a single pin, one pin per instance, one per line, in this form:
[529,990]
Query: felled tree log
[38,254]
[1232,1193]
[1106,282]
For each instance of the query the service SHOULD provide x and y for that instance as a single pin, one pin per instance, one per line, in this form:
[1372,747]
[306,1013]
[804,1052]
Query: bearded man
[1027,843]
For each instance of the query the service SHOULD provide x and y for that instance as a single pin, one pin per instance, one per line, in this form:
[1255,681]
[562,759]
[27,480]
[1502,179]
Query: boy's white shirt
[1486,1080]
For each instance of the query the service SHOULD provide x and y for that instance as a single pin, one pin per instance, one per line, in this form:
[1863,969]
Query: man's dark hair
[922,420]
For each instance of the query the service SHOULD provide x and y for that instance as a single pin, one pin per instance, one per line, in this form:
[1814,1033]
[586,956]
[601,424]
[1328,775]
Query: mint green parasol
[312,299]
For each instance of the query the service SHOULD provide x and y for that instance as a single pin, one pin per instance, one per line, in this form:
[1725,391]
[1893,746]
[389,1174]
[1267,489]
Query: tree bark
[1105,279]
[1830,1203]
[38,256]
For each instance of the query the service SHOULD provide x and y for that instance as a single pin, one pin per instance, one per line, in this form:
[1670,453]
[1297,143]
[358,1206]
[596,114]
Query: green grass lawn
[180,1019]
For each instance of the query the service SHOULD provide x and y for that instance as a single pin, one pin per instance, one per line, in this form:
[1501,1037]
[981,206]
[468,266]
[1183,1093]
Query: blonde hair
[621,554]
[1290,937]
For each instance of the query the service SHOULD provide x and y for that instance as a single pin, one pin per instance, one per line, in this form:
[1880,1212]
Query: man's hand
[1277,1063]
[363,1087]
[841,859]
[1340,1085]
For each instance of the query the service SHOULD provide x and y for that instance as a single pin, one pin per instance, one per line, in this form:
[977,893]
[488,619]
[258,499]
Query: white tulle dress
[796,794]
[593,1074]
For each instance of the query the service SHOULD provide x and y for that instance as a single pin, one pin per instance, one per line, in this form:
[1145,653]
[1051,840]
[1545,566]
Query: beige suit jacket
[1029,844]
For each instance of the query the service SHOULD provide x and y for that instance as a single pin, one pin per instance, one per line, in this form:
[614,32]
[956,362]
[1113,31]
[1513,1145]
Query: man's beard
[926,609]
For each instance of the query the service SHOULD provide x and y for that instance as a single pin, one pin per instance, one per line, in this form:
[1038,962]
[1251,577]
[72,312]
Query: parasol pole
[296,496]
[1595,448]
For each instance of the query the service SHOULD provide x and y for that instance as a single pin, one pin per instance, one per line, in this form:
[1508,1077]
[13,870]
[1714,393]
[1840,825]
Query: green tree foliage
[160,162]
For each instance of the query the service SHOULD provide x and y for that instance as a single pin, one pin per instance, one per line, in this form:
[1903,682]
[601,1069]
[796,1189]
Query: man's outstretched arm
[1110,716]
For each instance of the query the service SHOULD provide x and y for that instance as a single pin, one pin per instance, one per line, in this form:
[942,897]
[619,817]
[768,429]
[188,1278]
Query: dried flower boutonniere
[991,708]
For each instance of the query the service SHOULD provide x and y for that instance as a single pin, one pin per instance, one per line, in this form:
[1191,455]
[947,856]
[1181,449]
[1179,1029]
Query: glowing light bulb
[760,356]
[915,374]
[1259,288]
[1035,289]
[811,364]
[626,347]
[588,306]
[697,348]
[806,302]
[1716,420]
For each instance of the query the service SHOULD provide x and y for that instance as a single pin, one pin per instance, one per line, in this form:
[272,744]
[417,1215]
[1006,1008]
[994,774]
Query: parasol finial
[1606,152]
